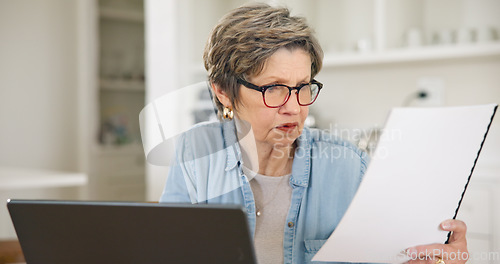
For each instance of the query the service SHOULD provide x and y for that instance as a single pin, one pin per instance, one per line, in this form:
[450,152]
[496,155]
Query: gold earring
[227,113]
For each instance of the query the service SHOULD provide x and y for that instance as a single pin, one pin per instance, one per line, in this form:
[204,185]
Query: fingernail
[446,225]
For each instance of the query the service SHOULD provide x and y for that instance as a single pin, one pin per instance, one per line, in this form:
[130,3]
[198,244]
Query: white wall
[38,79]
[361,96]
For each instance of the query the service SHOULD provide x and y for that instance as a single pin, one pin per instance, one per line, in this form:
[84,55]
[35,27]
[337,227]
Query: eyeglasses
[276,95]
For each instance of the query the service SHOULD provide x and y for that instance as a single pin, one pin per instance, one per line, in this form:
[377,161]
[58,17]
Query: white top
[272,198]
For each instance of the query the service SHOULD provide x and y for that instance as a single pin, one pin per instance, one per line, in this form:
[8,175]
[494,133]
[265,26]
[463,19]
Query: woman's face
[277,127]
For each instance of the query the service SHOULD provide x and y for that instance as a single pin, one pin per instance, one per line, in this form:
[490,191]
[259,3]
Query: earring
[227,113]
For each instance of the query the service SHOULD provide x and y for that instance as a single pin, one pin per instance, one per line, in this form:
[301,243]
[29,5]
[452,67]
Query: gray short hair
[245,38]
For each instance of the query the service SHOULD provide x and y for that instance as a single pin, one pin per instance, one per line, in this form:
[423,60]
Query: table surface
[26,183]
[22,178]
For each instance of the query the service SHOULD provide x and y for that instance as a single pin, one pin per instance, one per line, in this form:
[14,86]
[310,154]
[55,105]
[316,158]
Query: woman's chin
[286,140]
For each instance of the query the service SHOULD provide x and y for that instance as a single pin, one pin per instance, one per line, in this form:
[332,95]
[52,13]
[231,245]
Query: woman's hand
[455,252]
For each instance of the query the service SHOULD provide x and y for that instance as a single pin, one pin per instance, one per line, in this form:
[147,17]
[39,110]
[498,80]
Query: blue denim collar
[233,155]
[302,159]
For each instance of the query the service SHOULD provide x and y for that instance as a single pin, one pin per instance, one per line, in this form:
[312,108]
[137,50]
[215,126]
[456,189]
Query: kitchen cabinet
[112,36]
[121,71]
[118,155]
[119,173]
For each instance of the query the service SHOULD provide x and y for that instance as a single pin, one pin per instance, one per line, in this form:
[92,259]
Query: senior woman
[294,182]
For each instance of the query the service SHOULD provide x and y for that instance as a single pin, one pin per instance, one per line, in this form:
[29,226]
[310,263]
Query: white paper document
[415,180]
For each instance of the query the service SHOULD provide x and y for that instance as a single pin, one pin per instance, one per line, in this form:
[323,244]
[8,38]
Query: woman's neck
[275,161]
[265,158]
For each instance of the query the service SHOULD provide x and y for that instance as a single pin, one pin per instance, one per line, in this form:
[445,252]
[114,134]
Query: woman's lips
[287,127]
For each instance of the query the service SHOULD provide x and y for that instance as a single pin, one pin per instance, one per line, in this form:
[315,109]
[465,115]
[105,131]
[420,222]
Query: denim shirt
[326,173]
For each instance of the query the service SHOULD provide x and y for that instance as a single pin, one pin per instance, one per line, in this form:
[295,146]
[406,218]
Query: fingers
[457,227]
[427,261]
[430,253]
[425,253]
[453,252]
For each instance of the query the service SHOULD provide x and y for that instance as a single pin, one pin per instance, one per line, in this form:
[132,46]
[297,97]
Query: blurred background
[75,74]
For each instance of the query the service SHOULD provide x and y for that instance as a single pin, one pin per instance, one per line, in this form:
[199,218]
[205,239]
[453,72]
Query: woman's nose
[292,105]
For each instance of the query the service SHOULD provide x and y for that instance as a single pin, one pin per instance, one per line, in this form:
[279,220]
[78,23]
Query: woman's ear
[221,95]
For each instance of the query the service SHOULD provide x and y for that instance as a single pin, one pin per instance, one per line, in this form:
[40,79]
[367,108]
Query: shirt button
[290,224]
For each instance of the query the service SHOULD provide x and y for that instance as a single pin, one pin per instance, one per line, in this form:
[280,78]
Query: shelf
[334,60]
[123,15]
[411,55]
[122,85]
[114,150]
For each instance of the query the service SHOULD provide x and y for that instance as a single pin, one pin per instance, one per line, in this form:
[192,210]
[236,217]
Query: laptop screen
[119,232]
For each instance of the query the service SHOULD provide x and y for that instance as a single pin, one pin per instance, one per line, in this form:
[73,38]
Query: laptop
[61,232]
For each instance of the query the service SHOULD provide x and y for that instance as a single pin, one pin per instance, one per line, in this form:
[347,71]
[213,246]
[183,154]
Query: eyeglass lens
[277,95]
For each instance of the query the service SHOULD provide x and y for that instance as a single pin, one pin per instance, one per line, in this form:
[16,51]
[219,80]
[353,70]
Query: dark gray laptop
[62,232]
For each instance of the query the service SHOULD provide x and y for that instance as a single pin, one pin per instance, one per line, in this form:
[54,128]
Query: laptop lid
[76,232]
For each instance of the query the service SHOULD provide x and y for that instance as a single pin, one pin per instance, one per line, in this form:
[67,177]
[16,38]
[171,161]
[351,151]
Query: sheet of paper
[414,182]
